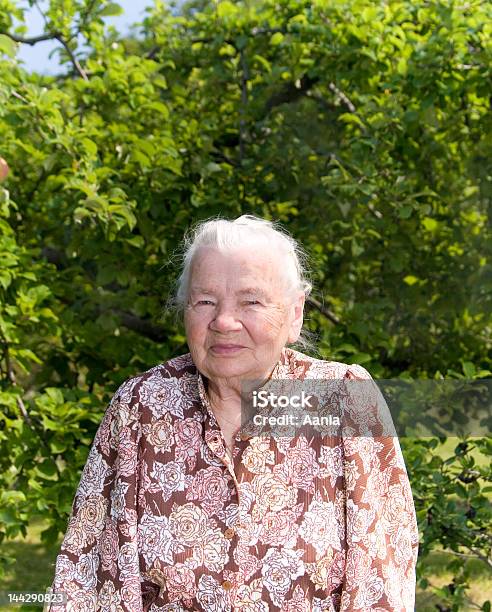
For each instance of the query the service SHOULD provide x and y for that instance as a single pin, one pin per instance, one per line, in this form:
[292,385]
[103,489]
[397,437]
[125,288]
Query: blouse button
[229,533]
[227,585]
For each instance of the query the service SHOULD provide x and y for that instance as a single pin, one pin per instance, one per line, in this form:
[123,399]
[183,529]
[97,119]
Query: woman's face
[238,316]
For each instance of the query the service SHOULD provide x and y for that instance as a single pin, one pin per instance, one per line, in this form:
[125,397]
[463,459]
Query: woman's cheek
[270,321]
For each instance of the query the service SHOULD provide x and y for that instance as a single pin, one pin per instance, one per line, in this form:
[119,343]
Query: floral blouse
[164,519]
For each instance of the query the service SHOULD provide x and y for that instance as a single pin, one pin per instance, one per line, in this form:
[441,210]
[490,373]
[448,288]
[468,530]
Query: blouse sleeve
[381,526]
[97,567]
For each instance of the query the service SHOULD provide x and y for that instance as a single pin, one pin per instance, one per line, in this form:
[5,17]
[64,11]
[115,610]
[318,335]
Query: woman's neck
[224,398]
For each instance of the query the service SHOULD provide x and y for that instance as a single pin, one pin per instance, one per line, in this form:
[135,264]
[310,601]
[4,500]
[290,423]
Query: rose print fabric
[164,520]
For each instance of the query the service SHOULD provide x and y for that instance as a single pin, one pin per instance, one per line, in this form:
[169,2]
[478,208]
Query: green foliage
[364,128]
[452,496]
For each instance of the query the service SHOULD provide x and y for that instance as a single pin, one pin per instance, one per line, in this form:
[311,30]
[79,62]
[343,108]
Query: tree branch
[480,555]
[12,378]
[85,16]
[31,40]
[42,14]
[343,97]
[460,554]
[140,326]
[222,157]
[331,108]
[73,59]
[258,31]
[17,95]
[50,36]
[291,92]
[323,310]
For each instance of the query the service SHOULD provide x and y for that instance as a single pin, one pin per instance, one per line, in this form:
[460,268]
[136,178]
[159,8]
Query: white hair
[246,231]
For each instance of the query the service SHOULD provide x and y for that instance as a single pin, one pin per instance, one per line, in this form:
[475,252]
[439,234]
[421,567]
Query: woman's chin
[230,368]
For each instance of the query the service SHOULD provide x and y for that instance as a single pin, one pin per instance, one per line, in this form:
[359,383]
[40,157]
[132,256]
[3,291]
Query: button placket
[216,443]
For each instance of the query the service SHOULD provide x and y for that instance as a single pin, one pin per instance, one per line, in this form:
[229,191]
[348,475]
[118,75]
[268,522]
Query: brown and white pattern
[164,520]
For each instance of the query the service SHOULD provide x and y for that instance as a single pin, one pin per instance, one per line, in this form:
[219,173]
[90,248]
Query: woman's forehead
[238,273]
[243,261]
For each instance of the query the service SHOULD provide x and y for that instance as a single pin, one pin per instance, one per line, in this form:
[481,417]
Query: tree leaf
[111,10]
[7,46]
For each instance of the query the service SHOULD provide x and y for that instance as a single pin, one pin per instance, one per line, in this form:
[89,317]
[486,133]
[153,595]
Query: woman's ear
[297,314]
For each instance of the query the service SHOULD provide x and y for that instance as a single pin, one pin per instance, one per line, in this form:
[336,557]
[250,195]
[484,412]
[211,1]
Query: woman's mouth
[226,349]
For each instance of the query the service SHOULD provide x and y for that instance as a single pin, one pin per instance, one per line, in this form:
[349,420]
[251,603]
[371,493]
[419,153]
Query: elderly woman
[179,508]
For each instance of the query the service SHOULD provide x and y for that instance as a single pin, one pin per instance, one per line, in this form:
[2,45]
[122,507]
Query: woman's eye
[205,303]
[252,302]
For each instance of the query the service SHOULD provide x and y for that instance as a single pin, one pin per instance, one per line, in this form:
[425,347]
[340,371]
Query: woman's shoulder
[323,368]
[173,368]
[176,372]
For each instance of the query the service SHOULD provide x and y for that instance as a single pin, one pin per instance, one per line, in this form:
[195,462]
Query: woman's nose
[225,320]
